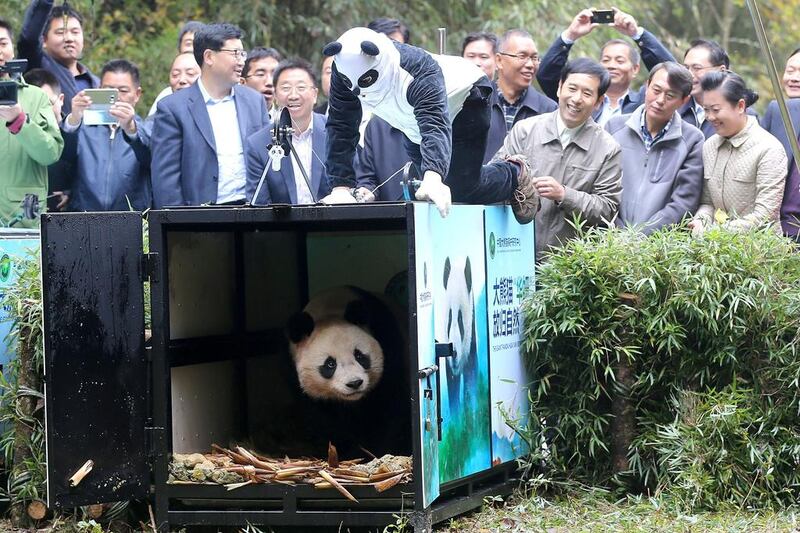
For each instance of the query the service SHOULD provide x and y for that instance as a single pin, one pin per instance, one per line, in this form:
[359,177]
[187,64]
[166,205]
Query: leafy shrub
[670,363]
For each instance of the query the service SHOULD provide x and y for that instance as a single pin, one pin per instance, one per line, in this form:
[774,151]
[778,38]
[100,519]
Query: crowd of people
[686,145]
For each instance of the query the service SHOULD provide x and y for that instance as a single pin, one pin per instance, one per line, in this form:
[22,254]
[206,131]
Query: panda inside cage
[286,341]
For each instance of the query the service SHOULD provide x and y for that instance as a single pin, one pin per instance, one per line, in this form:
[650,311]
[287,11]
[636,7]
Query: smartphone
[8,93]
[98,113]
[603,16]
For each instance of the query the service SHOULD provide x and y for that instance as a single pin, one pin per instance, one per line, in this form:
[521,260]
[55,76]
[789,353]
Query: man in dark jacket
[52,39]
[112,164]
[619,57]
[513,98]
[662,156]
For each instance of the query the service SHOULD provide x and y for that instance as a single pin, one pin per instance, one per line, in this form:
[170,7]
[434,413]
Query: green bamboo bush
[669,364]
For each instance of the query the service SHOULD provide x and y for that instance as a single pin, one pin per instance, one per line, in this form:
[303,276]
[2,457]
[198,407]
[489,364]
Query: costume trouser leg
[469,181]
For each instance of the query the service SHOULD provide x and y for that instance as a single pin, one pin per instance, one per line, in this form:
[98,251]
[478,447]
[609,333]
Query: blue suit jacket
[280,187]
[383,155]
[773,123]
[549,73]
[185,168]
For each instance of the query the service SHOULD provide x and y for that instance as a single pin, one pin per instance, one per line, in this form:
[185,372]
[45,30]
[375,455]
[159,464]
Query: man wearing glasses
[619,57]
[258,72]
[513,98]
[200,132]
[296,90]
[660,194]
[702,57]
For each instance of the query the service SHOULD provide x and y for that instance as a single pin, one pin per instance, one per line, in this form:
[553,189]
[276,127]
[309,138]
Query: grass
[594,513]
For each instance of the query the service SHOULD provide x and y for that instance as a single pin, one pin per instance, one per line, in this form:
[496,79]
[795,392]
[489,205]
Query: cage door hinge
[150,264]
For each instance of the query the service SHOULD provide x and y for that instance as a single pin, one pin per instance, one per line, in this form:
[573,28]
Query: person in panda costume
[440,103]
[349,350]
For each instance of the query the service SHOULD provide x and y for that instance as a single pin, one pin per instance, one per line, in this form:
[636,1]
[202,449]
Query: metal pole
[773,76]
[442,40]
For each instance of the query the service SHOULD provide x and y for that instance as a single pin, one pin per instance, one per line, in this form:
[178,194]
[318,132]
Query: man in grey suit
[295,89]
[199,133]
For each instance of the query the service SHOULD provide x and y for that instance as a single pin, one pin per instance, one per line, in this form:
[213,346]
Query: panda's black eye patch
[362,359]
[328,368]
[461,323]
[368,78]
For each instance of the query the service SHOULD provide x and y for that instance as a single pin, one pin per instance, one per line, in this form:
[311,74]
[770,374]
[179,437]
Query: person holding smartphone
[111,161]
[29,141]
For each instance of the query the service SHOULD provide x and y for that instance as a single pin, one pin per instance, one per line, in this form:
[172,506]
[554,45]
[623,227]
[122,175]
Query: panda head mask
[367,62]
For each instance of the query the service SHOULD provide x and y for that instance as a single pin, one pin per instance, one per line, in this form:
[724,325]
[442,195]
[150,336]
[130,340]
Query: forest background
[146,31]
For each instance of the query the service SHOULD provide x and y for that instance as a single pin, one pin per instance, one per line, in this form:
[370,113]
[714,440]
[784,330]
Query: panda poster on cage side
[509,271]
[426,354]
[459,307]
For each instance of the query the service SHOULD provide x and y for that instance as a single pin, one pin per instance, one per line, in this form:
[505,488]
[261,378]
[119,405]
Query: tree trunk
[623,425]
[29,378]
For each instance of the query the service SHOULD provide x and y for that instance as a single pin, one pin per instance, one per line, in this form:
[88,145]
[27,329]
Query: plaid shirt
[510,110]
[649,140]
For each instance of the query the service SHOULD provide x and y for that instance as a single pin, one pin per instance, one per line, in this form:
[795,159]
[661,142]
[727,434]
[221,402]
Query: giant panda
[349,350]
[457,326]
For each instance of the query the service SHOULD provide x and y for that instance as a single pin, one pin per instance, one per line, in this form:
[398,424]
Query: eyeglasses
[694,69]
[523,58]
[239,54]
[286,90]
[257,74]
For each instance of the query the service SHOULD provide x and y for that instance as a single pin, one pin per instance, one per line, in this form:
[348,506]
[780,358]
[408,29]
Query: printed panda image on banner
[459,306]
[426,354]
[510,272]
[15,246]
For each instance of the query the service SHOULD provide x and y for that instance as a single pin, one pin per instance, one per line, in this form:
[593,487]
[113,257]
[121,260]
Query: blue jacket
[549,73]
[773,123]
[185,163]
[110,174]
[29,46]
[534,103]
[662,186]
[281,187]
[382,156]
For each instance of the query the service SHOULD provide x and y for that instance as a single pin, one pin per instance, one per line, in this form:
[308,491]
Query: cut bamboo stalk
[327,477]
[389,483]
[78,476]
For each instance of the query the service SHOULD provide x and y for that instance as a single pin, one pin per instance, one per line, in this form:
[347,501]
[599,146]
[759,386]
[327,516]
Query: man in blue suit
[295,89]
[199,133]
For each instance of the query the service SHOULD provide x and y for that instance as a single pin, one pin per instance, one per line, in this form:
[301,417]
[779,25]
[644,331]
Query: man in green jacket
[29,141]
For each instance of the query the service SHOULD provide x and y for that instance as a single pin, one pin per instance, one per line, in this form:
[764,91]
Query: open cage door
[96,378]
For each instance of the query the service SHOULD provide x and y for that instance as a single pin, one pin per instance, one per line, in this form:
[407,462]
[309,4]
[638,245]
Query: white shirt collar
[207,98]
[566,134]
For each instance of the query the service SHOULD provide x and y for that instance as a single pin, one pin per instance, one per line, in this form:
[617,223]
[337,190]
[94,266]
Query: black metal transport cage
[222,283]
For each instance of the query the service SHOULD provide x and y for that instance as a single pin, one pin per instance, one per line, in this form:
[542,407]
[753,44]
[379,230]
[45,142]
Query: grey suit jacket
[184,162]
[281,187]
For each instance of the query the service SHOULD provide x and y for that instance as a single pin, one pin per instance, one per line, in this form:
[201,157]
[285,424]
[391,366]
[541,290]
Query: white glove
[339,195]
[433,190]
[364,195]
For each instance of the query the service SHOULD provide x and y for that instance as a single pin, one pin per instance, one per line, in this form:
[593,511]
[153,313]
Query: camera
[602,16]
[9,88]
[8,93]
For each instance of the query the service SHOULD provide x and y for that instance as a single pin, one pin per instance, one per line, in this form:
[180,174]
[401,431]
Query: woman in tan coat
[744,165]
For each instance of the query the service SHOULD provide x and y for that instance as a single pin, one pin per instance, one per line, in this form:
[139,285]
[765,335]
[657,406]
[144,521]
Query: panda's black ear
[446,271]
[299,327]
[468,275]
[332,48]
[357,312]
[370,48]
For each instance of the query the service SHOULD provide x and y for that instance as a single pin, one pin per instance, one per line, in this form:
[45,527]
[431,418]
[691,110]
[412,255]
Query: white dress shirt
[303,147]
[232,172]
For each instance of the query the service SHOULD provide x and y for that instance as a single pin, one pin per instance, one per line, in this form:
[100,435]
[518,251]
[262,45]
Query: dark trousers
[471,182]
